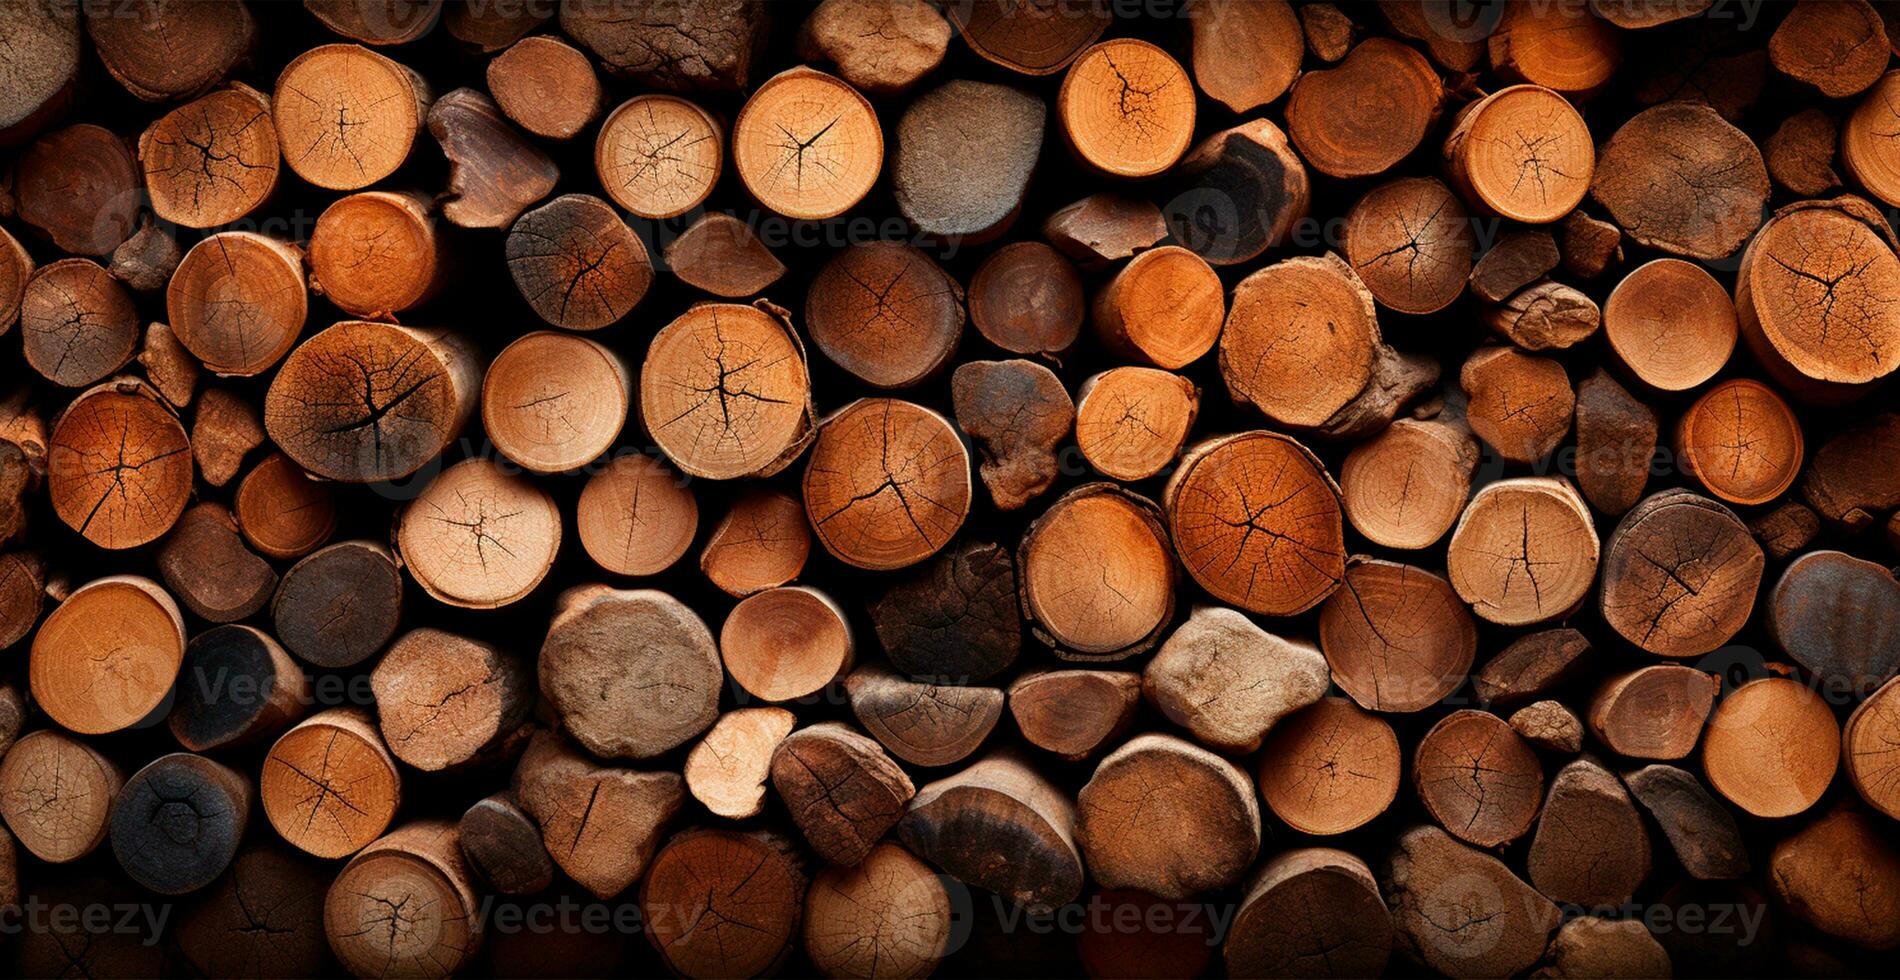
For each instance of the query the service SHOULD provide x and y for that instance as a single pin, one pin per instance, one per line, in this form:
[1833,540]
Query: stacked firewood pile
[999,487]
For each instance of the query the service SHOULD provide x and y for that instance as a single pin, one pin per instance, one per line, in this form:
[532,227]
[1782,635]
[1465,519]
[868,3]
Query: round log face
[213,161]
[478,536]
[888,483]
[658,156]
[1128,108]
[725,393]
[1815,295]
[807,145]
[1097,572]
[346,116]
[1671,323]
[119,469]
[238,302]
[107,656]
[1525,153]
[554,401]
[375,253]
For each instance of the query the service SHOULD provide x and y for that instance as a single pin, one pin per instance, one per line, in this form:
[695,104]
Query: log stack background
[878,487]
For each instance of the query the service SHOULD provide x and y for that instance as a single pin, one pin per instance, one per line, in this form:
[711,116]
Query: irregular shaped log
[168,366]
[80,186]
[1228,682]
[1546,316]
[1245,54]
[1680,574]
[1018,412]
[1172,845]
[1027,299]
[77,324]
[555,402]
[376,253]
[601,824]
[761,542]
[1785,530]
[1533,666]
[699,44]
[652,656]
[888,917]
[501,844]
[1521,152]
[347,117]
[1035,38]
[1589,246]
[1131,422]
[1592,946]
[1679,178]
[955,620]
[1772,747]
[1671,324]
[1839,617]
[238,302]
[417,865]
[214,160]
[1367,114]
[1330,768]
[44,80]
[1845,484]
[1405,487]
[340,604]
[16,267]
[727,770]
[1616,443]
[22,593]
[223,431]
[1411,242]
[786,643]
[1642,14]
[724,903]
[923,723]
[207,565]
[1329,32]
[56,794]
[444,700]
[1237,193]
[1396,637]
[1478,778]
[1104,228]
[177,822]
[106,657]
[1800,152]
[265,916]
[866,456]
[1525,550]
[1098,576]
[494,173]
[833,129]
[329,785]
[377,21]
[1349,934]
[281,510]
[1520,404]
[1837,47]
[415,391]
[1519,257]
[721,255]
[165,52]
[636,516]
[724,391]
[965,153]
[119,465]
[545,86]
[879,47]
[1216,500]
[1654,712]
[478,536]
[1560,46]
[844,793]
[1841,875]
[236,687]
[1074,713]
[1164,307]
[1126,108]
[1700,831]
[659,156]
[1590,848]
[1550,726]
[1460,911]
[885,312]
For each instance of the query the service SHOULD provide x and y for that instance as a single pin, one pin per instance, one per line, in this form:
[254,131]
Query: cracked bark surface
[495,173]
[376,254]
[1742,441]
[762,541]
[1329,768]
[1563,47]
[632,673]
[1165,307]
[1411,242]
[1000,825]
[1310,912]
[478,536]
[880,46]
[1772,747]
[1841,875]
[1127,108]
[1256,520]
[1019,413]
[346,116]
[1522,152]
[502,844]
[205,717]
[210,568]
[690,45]
[601,824]
[1679,178]
[1074,713]
[1701,832]
[1478,778]
[1671,324]
[1519,404]
[1097,574]
[1616,443]
[726,771]
[265,916]
[636,516]
[77,324]
[1524,552]
[1549,726]
[786,643]
[1405,487]
[238,302]
[555,402]
[1591,848]
[1167,817]
[843,791]
[923,723]
[964,157]
[885,312]
[1680,573]
[1870,749]
[577,263]
[1228,682]
[1545,316]
[56,795]
[725,393]
[807,145]
[404,906]
[177,822]
[1815,298]
[1301,341]
[364,402]
[445,701]
[1654,712]
[329,785]
[1027,299]
[1367,113]
[1396,637]
[80,186]
[1131,422]
[954,620]
[724,903]
[888,917]
[1245,54]
[340,604]
[888,483]
[119,465]
[1462,912]
[214,160]
[1040,37]
[659,156]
